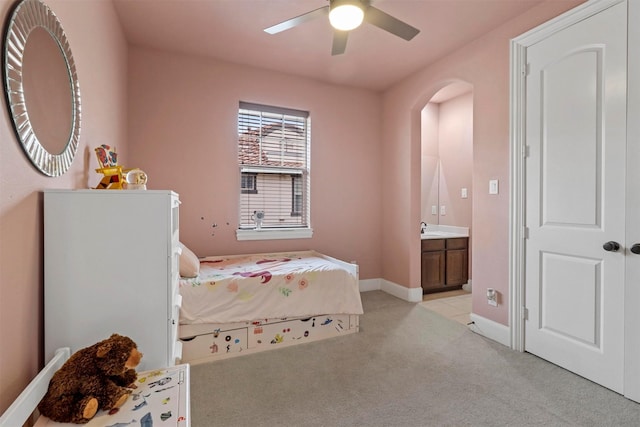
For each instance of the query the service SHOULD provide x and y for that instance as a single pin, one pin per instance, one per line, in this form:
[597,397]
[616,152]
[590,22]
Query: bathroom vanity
[445,261]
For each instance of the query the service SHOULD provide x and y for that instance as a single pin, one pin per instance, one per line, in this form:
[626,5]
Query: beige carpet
[407,367]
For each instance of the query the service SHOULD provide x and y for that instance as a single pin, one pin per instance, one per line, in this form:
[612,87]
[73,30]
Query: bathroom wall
[447,161]
[430,167]
[455,137]
[99,51]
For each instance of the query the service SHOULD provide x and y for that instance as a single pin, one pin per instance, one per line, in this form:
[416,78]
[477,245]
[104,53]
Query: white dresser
[111,266]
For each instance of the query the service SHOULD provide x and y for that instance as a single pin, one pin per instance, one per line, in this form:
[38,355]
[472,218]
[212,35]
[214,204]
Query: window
[273,160]
[296,196]
[248,183]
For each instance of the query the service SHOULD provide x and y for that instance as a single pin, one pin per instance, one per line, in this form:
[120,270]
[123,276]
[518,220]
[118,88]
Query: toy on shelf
[135,179]
[115,177]
[108,160]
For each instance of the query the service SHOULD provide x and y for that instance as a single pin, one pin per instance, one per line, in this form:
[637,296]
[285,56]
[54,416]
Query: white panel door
[575,197]
[632,273]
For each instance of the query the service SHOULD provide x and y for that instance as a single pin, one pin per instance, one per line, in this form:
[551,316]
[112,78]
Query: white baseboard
[407,294]
[369,285]
[482,326]
[489,329]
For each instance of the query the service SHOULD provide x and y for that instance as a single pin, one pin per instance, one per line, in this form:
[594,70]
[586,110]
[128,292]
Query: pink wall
[183,131]
[455,139]
[101,65]
[447,160]
[484,64]
[430,168]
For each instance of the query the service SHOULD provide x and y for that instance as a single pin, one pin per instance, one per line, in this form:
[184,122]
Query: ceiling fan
[346,15]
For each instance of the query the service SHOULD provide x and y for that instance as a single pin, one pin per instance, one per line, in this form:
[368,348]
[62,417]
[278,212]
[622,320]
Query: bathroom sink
[436,234]
[442,235]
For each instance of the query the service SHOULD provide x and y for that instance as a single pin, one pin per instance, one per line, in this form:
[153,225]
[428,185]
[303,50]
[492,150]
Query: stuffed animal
[96,377]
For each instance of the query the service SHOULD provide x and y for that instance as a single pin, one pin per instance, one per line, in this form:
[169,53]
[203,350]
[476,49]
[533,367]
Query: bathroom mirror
[430,189]
[41,87]
[446,126]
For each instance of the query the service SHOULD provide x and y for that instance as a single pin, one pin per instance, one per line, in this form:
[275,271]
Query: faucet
[423,227]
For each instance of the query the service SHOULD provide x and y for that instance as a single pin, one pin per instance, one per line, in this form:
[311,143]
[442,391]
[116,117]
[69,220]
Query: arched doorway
[446,130]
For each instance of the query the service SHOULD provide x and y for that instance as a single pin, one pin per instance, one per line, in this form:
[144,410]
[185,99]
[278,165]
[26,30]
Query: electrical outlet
[492,297]
[434,210]
[443,210]
[464,193]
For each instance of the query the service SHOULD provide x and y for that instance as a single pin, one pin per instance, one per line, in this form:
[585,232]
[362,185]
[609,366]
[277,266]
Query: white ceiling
[232,30]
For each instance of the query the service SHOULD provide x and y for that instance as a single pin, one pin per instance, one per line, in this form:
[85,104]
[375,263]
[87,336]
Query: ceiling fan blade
[293,22]
[388,23]
[339,42]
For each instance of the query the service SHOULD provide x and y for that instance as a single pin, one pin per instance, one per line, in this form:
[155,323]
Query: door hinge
[526,152]
[525,313]
[525,233]
[526,70]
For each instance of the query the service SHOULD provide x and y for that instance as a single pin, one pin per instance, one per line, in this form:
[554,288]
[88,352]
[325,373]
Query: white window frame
[274,232]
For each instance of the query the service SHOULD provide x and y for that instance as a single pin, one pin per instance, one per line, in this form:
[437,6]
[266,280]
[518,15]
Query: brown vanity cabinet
[445,264]
[433,264]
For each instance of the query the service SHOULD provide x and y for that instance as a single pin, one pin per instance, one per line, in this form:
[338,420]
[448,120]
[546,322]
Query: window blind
[273,159]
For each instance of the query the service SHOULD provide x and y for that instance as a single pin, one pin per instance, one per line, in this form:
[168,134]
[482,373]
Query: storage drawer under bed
[213,344]
[310,329]
[264,335]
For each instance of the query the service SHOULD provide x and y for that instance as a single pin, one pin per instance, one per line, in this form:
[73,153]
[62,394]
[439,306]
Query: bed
[242,304]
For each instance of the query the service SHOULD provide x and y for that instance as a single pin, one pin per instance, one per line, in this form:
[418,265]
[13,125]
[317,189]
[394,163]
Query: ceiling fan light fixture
[345,15]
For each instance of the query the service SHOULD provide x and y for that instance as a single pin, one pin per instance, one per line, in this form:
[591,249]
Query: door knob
[612,246]
[635,248]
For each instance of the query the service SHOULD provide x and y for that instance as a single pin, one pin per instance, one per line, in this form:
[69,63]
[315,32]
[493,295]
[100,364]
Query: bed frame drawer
[297,330]
[215,344]
[250,337]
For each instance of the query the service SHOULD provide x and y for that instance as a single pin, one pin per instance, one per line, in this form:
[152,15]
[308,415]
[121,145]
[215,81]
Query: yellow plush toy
[115,177]
[108,159]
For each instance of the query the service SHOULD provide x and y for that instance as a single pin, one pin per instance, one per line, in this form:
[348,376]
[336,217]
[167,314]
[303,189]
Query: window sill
[274,234]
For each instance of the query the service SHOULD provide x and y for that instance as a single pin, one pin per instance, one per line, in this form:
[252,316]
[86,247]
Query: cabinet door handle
[635,248]
[611,246]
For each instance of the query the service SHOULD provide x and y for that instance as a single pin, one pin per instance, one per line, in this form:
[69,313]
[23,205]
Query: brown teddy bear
[96,377]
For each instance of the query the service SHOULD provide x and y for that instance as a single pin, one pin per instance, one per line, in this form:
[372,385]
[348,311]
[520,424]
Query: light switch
[493,186]
[463,193]
[434,210]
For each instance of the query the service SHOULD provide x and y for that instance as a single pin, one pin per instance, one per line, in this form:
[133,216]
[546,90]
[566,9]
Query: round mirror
[41,87]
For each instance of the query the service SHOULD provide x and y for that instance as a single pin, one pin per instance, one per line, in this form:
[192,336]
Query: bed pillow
[189,263]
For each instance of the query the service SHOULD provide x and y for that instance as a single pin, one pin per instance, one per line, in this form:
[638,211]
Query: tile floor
[455,305]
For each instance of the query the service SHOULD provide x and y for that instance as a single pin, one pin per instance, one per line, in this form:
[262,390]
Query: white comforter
[267,286]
